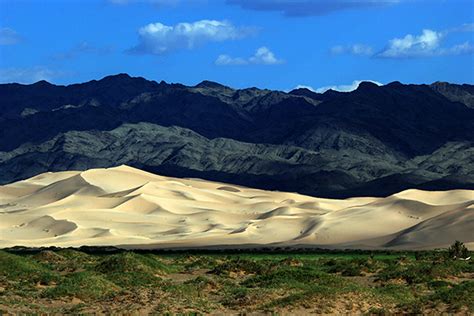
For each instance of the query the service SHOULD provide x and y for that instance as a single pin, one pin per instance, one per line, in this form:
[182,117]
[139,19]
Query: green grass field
[71,281]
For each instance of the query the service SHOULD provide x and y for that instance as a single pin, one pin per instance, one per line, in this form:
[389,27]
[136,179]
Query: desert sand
[130,208]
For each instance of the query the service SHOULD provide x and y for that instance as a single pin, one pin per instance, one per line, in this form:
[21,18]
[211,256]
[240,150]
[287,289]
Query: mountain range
[375,140]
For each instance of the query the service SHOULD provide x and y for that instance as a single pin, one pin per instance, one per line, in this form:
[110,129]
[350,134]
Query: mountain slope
[182,152]
[375,140]
[456,93]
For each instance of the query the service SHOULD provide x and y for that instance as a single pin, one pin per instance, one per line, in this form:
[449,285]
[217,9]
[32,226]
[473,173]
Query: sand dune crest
[133,208]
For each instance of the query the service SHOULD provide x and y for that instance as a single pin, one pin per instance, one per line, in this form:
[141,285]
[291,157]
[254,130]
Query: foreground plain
[72,281]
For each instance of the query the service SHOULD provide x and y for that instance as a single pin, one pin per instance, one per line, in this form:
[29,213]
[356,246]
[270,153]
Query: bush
[457,296]
[201,282]
[242,265]
[25,269]
[84,285]
[130,269]
[412,274]
[458,250]
[131,262]
[352,267]
[292,277]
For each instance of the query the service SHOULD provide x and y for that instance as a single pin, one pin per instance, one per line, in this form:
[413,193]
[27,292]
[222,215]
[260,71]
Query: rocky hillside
[372,141]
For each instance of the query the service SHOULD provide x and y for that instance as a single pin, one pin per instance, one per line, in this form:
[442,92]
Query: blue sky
[277,44]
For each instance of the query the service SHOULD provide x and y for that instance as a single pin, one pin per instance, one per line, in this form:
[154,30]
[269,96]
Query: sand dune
[128,207]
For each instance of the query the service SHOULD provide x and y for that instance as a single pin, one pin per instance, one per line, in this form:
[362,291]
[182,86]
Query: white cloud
[425,44]
[224,59]
[345,88]
[467,27]
[460,49]
[159,39]
[9,36]
[28,75]
[355,49]
[262,56]
[300,86]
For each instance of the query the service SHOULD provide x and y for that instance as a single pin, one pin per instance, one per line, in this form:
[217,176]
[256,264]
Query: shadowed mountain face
[456,93]
[372,141]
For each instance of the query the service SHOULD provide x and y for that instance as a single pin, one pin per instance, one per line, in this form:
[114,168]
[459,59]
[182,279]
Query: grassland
[73,281]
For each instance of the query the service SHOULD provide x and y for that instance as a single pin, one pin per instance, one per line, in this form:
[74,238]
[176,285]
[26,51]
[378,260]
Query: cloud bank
[428,43]
[354,49]
[341,88]
[302,86]
[160,39]
[301,8]
[262,56]
[346,87]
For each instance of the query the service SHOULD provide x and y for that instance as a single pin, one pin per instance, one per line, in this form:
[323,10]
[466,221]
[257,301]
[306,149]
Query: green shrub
[201,282]
[130,269]
[292,277]
[131,262]
[457,296]
[242,265]
[351,267]
[75,255]
[203,262]
[458,250]
[236,296]
[83,285]
[422,271]
[25,269]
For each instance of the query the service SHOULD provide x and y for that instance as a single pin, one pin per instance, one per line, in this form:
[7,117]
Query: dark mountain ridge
[331,144]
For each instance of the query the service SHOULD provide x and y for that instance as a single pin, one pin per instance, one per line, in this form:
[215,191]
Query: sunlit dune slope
[128,207]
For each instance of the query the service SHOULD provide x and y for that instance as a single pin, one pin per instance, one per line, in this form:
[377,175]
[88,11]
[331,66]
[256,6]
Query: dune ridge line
[136,209]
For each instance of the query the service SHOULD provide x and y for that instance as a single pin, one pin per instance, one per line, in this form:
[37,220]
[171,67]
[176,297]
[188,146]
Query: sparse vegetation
[71,281]
[458,250]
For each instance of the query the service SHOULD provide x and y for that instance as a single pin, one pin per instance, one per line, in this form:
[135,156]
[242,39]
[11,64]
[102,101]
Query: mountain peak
[301,91]
[366,85]
[120,76]
[440,84]
[394,84]
[42,83]
[331,92]
[210,84]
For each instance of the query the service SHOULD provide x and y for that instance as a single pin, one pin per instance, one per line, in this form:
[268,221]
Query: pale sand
[127,207]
